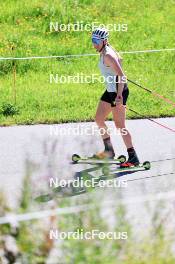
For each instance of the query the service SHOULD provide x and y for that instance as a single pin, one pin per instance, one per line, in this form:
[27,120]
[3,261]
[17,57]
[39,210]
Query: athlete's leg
[103,110]
[119,116]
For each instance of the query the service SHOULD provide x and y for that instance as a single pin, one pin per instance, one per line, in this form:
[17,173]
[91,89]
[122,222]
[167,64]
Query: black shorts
[110,97]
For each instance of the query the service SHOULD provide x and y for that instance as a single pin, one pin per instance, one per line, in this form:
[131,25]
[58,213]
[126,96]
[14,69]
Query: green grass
[25,27]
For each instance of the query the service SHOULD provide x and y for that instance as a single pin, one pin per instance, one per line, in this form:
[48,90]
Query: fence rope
[84,55]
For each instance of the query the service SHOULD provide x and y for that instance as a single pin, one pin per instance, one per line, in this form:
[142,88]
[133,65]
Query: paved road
[50,147]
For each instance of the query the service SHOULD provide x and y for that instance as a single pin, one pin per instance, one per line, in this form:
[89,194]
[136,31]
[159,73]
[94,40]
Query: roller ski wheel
[75,158]
[121,159]
[147,165]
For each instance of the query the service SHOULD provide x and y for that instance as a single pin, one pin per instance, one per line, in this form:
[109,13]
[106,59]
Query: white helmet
[100,33]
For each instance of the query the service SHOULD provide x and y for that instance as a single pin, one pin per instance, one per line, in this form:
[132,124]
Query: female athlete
[114,98]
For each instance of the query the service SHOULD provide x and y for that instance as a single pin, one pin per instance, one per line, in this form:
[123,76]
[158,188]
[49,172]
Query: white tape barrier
[84,55]
[12,218]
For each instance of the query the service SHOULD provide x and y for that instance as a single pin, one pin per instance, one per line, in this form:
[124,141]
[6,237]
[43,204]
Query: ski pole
[150,119]
[154,93]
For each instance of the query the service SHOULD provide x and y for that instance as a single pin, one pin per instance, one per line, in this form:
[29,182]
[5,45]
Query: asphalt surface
[50,147]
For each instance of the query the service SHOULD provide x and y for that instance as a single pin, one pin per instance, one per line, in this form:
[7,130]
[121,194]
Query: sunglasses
[96,41]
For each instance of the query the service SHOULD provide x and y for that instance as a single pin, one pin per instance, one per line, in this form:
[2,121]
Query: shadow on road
[77,186]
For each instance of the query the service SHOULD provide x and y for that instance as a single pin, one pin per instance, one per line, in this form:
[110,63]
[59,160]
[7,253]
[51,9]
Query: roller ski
[125,167]
[132,164]
[100,158]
